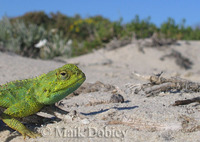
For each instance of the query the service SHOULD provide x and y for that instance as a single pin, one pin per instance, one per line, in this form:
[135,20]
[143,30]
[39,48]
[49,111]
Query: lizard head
[59,83]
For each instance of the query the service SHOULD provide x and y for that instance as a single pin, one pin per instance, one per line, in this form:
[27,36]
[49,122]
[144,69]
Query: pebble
[85,121]
[117,98]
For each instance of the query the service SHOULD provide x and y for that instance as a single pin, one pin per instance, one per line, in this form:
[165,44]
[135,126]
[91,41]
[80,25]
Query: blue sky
[158,10]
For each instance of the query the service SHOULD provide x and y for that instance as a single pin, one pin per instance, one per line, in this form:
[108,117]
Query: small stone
[117,98]
[85,121]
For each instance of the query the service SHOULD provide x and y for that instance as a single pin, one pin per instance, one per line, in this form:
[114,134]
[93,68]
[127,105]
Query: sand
[137,119]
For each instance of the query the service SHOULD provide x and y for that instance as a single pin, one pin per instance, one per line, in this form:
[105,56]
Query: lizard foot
[30,134]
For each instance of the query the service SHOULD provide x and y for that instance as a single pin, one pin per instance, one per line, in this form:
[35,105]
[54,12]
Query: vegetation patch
[41,35]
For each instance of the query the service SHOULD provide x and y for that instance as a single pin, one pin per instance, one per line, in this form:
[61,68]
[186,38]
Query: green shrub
[22,34]
[56,46]
[22,39]
[142,28]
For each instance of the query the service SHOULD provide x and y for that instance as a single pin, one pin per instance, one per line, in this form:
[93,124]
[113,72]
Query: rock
[117,98]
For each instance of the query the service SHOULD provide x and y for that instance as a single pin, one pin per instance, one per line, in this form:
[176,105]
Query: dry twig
[160,84]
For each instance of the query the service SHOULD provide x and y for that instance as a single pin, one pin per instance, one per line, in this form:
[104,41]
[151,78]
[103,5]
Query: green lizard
[22,98]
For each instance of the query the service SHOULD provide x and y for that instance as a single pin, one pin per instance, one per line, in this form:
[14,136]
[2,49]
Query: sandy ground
[137,119]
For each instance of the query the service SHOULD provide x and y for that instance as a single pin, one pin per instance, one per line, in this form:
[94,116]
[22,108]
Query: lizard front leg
[17,125]
[20,110]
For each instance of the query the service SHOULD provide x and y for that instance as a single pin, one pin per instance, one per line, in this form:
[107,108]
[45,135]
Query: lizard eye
[63,73]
